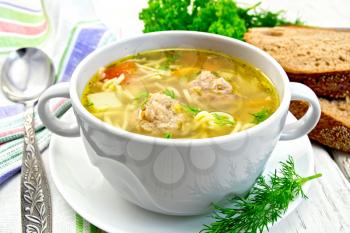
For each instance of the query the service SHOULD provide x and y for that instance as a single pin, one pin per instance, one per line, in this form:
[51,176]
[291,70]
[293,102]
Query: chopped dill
[191,109]
[222,119]
[168,135]
[141,98]
[261,116]
[169,93]
[89,104]
[171,57]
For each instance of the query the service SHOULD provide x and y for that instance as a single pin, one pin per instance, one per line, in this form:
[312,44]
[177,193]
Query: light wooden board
[343,161]
[328,208]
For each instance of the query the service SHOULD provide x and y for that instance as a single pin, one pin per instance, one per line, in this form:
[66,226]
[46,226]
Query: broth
[180,93]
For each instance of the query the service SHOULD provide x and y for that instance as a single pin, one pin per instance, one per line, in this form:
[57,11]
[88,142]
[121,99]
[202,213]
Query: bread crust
[329,131]
[334,85]
[304,54]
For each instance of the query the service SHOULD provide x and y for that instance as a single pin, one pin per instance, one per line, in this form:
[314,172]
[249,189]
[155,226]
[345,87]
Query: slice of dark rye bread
[319,58]
[333,129]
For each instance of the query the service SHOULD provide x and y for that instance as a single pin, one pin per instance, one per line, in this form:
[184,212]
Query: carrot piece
[125,68]
[185,71]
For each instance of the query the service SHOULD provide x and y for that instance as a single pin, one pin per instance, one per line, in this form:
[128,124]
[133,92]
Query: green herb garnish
[191,109]
[222,17]
[89,104]
[168,135]
[169,93]
[164,66]
[141,98]
[222,119]
[261,116]
[171,57]
[265,203]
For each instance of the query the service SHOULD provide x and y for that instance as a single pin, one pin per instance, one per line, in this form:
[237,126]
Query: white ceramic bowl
[179,176]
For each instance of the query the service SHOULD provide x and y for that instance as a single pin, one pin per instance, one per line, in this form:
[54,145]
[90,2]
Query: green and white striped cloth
[67,32]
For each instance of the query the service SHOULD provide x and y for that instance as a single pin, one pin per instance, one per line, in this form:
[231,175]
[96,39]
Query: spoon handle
[35,192]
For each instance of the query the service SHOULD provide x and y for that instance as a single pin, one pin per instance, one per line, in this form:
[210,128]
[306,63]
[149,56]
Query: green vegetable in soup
[170,93]
[223,119]
[168,135]
[261,115]
[88,105]
[170,59]
[222,17]
[141,98]
[265,203]
[195,99]
[190,109]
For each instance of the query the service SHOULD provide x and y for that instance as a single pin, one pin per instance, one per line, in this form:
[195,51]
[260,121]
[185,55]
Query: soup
[180,93]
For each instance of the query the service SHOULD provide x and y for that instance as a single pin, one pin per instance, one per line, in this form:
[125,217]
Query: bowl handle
[305,124]
[49,120]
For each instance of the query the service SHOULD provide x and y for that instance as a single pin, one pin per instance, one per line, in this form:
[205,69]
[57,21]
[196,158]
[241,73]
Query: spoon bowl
[26,73]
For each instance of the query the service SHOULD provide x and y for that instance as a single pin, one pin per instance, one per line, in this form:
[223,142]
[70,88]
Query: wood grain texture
[343,161]
[328,208]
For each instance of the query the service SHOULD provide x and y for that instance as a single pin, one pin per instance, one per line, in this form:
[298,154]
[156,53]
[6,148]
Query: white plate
[88,193]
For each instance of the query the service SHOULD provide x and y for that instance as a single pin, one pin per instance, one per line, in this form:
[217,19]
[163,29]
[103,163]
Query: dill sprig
[265,203]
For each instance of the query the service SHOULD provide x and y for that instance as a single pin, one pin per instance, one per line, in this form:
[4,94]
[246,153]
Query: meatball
[209,90]
[158,114]
[207,81]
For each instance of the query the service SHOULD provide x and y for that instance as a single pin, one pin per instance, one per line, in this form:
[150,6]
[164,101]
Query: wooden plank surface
[343,161]
[328,208]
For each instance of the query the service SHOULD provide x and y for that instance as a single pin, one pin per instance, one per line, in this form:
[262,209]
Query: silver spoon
[26,73]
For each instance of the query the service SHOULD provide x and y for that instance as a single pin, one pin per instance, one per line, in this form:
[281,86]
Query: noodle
[177,93]
[147,76]
[157,71]
[187,96]
[119,79]
[247,125]
[237,127]
[128,94]
[118,89]
[147,68]
[107,120]
[160,86]
[101,72]
[126,116]
[108,83]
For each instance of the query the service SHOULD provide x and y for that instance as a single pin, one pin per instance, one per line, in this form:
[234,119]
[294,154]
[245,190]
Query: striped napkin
[67,32]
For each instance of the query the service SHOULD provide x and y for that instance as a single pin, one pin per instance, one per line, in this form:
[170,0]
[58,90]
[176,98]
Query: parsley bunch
[222,17]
